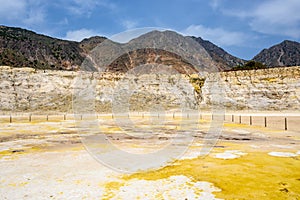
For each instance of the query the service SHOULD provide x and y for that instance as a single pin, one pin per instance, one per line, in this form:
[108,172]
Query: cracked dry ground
[47,160]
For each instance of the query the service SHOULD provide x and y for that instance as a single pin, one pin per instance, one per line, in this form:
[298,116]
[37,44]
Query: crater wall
[30,90]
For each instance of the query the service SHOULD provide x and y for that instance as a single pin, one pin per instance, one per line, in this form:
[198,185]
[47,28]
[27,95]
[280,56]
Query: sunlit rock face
[266,89]
[26,89]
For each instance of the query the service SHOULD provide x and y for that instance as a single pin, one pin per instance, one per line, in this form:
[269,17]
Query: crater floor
[53,160]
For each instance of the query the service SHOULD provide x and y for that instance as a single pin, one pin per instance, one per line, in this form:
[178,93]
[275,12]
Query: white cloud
[64,21]
[272,17]
[12,9]
[79,7]
[129,24]
[86,7]
[78,35]
[218,36]
[36,16]
[277,16]
[29,12]
[278,11]
[215,4]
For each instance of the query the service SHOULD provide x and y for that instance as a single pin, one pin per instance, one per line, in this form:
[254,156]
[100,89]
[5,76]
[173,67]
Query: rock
[30,90]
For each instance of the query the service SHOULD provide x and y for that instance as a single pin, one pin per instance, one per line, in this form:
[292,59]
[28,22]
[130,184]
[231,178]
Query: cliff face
[265,89]
[30,90]
[27,89]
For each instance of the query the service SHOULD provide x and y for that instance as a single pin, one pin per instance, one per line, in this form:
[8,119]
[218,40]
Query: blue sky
[241,27]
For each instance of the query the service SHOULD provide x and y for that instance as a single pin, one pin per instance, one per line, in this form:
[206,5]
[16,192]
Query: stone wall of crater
[266,89]
[30,90]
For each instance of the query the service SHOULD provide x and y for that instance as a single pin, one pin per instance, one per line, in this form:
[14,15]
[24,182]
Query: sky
[241,27]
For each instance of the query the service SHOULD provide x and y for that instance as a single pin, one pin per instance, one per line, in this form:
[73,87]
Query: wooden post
[240,119]
[47,118]
[232,118]
[250,120]
[10,119]
[64,116]
[29,118]
[265,121]
[285,124]
[173,115]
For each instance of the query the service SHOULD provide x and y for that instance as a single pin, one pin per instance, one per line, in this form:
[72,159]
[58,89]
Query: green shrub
[250,65]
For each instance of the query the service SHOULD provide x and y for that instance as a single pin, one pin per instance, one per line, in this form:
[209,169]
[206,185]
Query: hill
[287,53]
[157,47]
[219,55]
[24,48]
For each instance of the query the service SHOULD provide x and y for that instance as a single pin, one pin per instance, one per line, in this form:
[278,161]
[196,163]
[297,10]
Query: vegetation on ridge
[250,65]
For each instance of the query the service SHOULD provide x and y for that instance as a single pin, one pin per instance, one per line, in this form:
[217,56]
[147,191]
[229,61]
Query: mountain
[287,53]
[156,47]
[163,51]
[23,48]
[89,44]
[220,55]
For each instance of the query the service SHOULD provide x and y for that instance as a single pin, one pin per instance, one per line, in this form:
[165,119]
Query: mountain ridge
[219,54]
[24,48]
[286,53]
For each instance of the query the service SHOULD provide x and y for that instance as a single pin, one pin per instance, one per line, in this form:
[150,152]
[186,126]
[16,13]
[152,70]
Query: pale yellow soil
[46,160]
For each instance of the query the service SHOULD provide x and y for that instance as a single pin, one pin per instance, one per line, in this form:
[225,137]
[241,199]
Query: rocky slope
[30,90]
[89,44]
[265,89]
[286,53]
[220,55]
[156,48]
[23,48]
